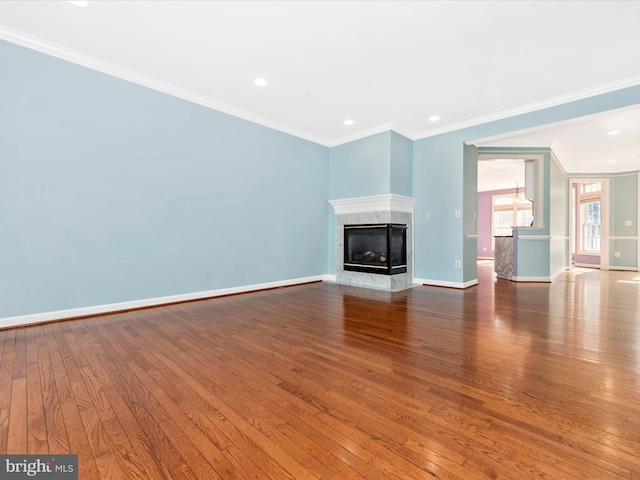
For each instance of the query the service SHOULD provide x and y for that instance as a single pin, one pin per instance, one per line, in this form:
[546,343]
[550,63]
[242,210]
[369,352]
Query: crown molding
[400,130]
[535,106]
[559,156]
[385,127]
[84,60]
[601,175]
[375,203]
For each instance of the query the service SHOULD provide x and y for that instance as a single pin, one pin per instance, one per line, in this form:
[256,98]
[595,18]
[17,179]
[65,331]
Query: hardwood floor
[323,381]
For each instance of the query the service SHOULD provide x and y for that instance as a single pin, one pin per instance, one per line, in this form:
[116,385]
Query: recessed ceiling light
[611,161]
[434,118]
[614,132]
[261,82]
[349,122]
[79,3]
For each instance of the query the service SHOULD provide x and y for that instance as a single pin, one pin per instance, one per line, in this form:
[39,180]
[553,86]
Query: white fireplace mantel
[374,203]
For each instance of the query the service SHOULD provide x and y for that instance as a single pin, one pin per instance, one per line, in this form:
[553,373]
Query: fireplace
[388,217]
[376,248]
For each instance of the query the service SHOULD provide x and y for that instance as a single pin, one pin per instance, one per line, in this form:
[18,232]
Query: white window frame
[517,205]
[591,196]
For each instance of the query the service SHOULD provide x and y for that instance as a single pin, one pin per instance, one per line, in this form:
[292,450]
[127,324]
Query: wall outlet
[475,215]
[458,214]
[428,215]
[628,223]
[457,264]
[484,249]
[616,254]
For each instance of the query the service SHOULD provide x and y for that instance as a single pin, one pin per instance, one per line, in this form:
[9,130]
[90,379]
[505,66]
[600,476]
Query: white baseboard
[624,269]
[558,273]
[540,279]
[148,302]
[443,283]
[587,265]
[532,279]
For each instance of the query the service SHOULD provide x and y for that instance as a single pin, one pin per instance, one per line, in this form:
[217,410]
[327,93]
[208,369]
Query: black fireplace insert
[376,248]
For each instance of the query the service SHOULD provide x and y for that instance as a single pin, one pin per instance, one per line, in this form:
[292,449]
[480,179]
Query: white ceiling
[500,174]
[381,63]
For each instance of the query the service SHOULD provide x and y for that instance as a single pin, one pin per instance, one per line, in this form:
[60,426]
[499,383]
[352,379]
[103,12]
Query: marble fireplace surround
[389,208]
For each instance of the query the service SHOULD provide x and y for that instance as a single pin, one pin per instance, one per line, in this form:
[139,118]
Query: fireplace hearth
[376,248]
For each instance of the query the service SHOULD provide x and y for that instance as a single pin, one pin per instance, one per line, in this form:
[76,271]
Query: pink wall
[484,220]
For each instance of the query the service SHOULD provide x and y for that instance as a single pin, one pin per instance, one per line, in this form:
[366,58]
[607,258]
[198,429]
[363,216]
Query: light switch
[428,215]
[458,213]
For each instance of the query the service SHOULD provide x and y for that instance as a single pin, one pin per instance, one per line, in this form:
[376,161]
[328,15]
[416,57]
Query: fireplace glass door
[379,248]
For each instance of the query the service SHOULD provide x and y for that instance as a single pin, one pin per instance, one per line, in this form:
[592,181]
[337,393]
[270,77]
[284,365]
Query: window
[590,217]
[507,211]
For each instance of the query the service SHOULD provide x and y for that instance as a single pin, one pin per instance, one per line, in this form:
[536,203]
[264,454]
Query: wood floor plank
[6,368]
[55,429]
[17,427]
[4,429]
[20,354]
[78,442]
[37,438]
[3,336]
[97,437]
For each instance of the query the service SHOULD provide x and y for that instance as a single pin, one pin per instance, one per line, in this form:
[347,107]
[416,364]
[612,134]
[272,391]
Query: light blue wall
[438,185]
[628,249]
[470,214]
[623,206]
[532,257]
[357,169]
[361,168]
[401,164]
[111,192]
[374,165]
